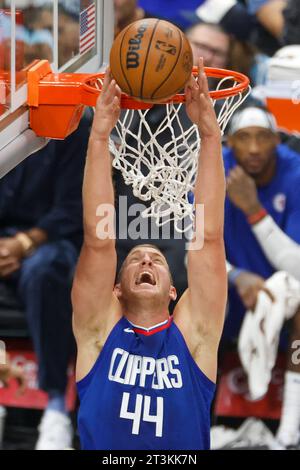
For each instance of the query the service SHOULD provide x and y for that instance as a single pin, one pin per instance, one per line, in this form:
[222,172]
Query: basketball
[151,60]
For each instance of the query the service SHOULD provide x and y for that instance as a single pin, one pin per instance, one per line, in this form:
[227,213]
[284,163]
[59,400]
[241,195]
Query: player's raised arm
[201,313]
[92,293]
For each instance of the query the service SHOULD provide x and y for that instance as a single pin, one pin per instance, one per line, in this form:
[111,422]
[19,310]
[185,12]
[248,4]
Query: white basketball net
[164,173]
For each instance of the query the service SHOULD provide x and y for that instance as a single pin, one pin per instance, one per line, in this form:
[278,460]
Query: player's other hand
[199,105]
[107,108]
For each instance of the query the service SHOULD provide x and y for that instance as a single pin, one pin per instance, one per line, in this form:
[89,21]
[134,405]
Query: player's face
[254,149]
[145,274]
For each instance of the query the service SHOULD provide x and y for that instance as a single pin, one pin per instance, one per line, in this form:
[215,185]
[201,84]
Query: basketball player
[146,380]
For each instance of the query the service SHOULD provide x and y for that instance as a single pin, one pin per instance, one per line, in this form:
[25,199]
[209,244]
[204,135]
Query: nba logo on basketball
[165,47]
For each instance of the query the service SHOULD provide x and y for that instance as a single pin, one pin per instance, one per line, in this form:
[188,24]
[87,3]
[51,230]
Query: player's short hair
[143,245]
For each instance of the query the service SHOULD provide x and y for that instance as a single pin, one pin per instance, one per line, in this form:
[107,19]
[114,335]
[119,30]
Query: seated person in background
[291,30]
[258,21]
[211,42]
[40,238]
[262,230]
[270,14]
[126,12]
[176,11]
[220,49]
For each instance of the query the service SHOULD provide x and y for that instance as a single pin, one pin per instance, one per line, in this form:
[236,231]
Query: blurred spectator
[37,45]
[230,14]
[291,30]
[40,238]
[33,39]
[242,55]
[219,49]
[39,22]
[68,36]
[270,14]
[176,11]
[34,33]
[262,230]
[126,11]
[38,36]
[211,42]
[241,21]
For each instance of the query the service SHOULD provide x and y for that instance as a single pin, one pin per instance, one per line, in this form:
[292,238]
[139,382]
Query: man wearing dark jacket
[40,237]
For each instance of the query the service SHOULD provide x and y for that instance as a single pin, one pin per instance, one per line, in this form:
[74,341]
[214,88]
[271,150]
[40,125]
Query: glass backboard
[73,35]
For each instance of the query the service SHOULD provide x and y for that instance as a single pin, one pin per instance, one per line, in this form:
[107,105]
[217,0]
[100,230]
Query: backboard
[73,35]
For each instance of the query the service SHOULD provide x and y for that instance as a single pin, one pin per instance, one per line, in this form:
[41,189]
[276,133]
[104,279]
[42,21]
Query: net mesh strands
[162,171]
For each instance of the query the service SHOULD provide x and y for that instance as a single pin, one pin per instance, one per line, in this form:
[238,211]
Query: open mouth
[145,277]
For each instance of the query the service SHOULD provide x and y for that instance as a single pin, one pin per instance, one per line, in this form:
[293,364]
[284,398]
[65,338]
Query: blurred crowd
[41,219]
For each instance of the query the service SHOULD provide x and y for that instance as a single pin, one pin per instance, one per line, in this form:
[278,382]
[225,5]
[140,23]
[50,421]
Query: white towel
[260,332]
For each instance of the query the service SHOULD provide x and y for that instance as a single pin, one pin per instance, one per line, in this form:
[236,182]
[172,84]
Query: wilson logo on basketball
[165,47]
[187,62]
[133,57]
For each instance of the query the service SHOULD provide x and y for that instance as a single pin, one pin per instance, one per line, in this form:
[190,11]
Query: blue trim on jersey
[154,327]
[145,392]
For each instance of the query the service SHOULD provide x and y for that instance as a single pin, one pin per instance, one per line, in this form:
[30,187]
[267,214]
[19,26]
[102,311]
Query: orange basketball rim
[57,100]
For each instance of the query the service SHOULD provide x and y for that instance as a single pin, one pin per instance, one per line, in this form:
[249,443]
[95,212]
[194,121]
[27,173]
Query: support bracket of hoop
[56,100]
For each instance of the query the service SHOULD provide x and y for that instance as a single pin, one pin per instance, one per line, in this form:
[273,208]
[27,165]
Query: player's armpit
[91,337]
[94,304]
[203,305]
[201,342]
